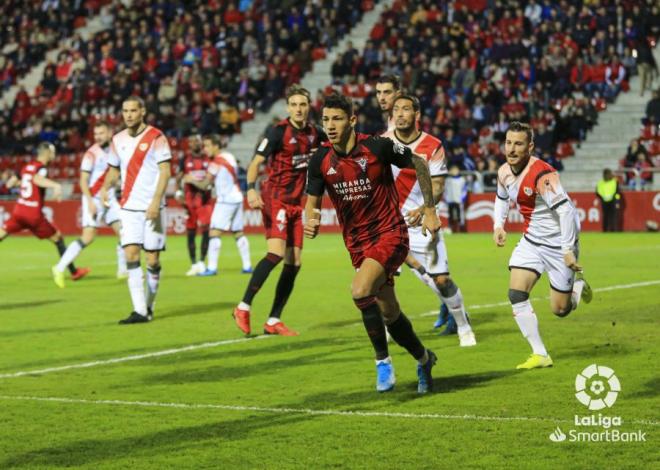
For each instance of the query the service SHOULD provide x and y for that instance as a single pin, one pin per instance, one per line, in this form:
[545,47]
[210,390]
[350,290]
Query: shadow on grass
[596,350]
[268,366]
[197,309]
[21,305]
[88,452]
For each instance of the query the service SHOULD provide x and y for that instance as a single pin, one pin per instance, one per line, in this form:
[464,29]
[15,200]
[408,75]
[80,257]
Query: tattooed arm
[430,223]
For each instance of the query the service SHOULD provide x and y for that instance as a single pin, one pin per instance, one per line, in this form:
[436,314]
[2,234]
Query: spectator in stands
[634,149]
[653,109]
[615,73]
[544,141]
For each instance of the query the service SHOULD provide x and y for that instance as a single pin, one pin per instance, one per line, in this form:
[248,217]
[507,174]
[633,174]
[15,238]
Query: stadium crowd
[205,67]
[555,63]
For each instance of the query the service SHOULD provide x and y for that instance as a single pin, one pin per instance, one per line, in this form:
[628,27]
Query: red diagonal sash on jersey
[405,182]
[135,163]
[96,187]
[220,161]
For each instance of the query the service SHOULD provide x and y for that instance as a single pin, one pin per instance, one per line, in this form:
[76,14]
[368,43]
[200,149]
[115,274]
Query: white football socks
[529,326]
[215,244]
[576,295]
[71,253]
[136,288]
[243,246]
[153,278]
[457,310]
[121,259]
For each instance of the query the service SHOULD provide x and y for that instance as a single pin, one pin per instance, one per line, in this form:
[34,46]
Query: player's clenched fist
[499,236]
[312,227]
[571,262]
[431,223]
[254,199]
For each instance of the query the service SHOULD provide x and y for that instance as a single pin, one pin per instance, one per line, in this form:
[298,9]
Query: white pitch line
[136,357]
[306,411]
[599,289]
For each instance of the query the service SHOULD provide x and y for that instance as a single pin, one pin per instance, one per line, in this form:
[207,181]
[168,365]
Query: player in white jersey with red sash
[429,253]
[93,169]
[227,214]
[550,239]
[141,154]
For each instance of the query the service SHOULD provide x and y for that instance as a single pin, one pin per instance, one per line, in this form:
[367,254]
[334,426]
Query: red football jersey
[361,187]
[287,151]
[197,167]
[31,195]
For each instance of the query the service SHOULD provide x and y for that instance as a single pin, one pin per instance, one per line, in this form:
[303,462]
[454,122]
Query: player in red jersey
[197,202]
[285,150]
[356,171]
[28,211]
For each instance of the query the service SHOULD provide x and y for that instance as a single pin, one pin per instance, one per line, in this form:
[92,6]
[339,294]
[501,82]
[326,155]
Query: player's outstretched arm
[203,184]
[12,182]
[44,182]
[253,197]
[430,223]
[415,216]
[312,216]
[163,177]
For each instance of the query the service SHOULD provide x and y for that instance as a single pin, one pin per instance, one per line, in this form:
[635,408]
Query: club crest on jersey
[293,140]
[310,138]
[143,147]
[363,163]
[528,191]
[331,171]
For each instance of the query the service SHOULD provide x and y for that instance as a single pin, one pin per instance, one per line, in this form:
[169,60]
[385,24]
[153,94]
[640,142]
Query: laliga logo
[597,387]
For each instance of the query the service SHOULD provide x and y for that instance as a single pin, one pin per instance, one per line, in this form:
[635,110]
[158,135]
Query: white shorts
[432,255]
[109,215]
[540,259]
[136,230]
[227,217]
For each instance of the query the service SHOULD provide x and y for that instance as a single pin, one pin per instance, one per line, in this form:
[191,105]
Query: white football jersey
[405,179]
[538,193]
[95,162]
[225,170]
[138,158]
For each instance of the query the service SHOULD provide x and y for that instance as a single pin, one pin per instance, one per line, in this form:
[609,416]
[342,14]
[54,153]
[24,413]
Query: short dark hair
[390,78]
[214,138]
[136,99]
[412,98]
[102,123]
[517,126]
[339,101]
[296,89]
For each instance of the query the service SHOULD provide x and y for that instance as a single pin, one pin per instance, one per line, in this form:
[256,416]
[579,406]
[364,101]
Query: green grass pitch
[286,402]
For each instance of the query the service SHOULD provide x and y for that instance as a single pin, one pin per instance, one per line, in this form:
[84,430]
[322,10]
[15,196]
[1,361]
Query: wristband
[250,186]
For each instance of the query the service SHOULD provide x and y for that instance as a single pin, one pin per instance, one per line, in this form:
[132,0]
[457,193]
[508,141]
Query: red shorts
[283,221]
[198,215]
[390,250]
[34,222]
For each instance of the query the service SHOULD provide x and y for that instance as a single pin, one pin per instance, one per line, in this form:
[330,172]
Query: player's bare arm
[84,189]
[253,197]
[164,175]
[110,180]
[430,223]
[312,216]
[44,182]
[414,217]
[203,184]
[12,182]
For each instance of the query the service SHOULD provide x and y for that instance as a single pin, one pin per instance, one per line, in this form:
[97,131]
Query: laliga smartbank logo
[597,387]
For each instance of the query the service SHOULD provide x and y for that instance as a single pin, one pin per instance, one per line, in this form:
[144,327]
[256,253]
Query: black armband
[251,186]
